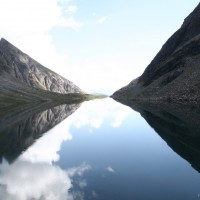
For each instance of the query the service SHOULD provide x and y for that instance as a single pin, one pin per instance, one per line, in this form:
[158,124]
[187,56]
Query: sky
[100,45]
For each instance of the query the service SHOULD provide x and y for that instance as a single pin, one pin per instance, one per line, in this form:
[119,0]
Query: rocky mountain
[22,79]
[19,130]
[174,73]
[177,124]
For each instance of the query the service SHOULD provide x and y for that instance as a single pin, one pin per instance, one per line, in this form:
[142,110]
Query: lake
[102,150]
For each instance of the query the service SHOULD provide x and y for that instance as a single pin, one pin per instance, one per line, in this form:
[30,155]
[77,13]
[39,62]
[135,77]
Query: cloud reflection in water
[34,174]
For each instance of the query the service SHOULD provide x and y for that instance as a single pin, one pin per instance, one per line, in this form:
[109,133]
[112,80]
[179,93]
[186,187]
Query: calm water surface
[103,150]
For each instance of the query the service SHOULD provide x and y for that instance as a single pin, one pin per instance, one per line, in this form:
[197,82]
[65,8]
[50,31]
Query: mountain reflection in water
[177,124]
[100,150]
[20,129]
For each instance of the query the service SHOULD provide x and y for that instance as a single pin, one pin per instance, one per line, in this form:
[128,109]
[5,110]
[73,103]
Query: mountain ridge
[23,80]
[174,72]
[24,68]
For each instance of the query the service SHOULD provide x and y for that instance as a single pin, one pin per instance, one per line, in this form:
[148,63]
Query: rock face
[20,75]
[19,130]
[174,73]
[177,124]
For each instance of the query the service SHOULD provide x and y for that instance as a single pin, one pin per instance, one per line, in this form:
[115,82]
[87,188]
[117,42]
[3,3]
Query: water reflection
[102,151]
[24,180]
[177,124]
[20,128]
[33,173]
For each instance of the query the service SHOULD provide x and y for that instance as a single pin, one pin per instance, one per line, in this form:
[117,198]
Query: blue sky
[100,45]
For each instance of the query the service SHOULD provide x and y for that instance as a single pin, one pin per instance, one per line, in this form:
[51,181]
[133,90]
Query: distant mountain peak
[28,71]
[23,77]
[4,40]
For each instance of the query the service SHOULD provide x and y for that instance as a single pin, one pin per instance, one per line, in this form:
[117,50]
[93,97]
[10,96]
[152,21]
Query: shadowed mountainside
[177,124]
[20,128]
[174,73]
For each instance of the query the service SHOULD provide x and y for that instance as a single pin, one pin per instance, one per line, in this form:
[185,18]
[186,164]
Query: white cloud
[46,149]
[78,170]
[95,113]
[92,114]
[110,169]
[34,17]
[119,116]
[102,20]
[83,183]
[26,24]
[72,9]
[21,18]
[25,181]
[70,23]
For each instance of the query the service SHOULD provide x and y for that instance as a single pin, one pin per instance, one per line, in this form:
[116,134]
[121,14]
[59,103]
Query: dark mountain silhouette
[177,124]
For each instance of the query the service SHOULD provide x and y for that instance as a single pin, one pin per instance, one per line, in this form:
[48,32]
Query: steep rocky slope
[174,73]
[22,79]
